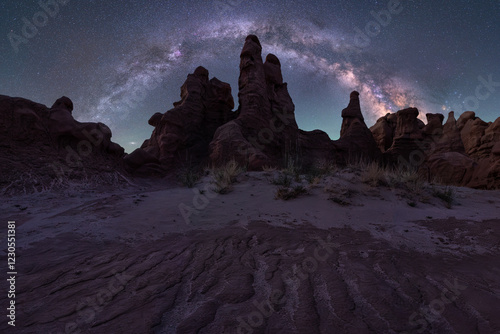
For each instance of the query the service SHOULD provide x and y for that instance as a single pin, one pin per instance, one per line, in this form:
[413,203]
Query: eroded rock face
[265,131]
[463,152]
[356,140]
[42,148]
[408,143]
[449,168]
[182,135]
[383,131]
[451,140]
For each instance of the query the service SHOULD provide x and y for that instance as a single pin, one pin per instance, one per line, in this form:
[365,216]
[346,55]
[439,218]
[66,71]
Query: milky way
[121,62]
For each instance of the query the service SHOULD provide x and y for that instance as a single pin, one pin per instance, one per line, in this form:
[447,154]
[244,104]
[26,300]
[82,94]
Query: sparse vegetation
[188,176]
[374,175]
[447,195]
[406,178]
[293,162]
[225,175]
[286,193]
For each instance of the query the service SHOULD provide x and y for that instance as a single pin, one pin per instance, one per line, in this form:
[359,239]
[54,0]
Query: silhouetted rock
[407,147]
[383,131]
[434,126]
[464,118]
[451,141]
[182,135]
[42,148]
[356,140]
[265,131]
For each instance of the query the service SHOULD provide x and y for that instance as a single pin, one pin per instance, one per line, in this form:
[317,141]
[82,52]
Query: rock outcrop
[182,135]
[463,152]
[356,140]
[407,145]
[383,131]
[265,131]
[42,148]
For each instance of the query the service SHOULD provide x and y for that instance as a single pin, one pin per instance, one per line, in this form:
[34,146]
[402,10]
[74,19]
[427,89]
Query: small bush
[406,178]
[374,175]
[286,193]
[225,175]
[447,195]
[293,166]
[188,176]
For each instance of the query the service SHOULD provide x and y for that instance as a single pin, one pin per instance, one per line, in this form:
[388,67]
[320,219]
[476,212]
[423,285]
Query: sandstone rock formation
[182,135]
[265,131]
[463,152]
[45,147]
[356,140]
[407,142]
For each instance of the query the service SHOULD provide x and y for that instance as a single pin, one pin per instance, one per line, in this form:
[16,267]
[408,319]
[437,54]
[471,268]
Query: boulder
[451,168]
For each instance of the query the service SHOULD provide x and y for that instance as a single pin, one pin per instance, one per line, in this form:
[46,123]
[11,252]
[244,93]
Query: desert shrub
[374,175]
[188,176]
[447,195]
[224,176]
[327,167]
[286,193]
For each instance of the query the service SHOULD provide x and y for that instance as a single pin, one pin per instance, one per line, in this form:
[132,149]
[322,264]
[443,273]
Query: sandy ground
[160,258]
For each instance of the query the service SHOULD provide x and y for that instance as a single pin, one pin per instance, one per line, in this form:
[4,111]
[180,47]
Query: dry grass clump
[374,175]
[406,178]
[188,176]
[447,195]
[225,175]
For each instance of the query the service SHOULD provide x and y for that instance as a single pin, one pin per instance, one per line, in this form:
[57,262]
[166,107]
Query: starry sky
[122,61]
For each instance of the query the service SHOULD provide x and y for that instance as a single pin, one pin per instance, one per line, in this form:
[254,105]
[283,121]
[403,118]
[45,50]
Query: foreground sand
[166,259]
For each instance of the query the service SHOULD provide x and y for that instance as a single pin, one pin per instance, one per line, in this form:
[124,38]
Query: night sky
[122,61]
